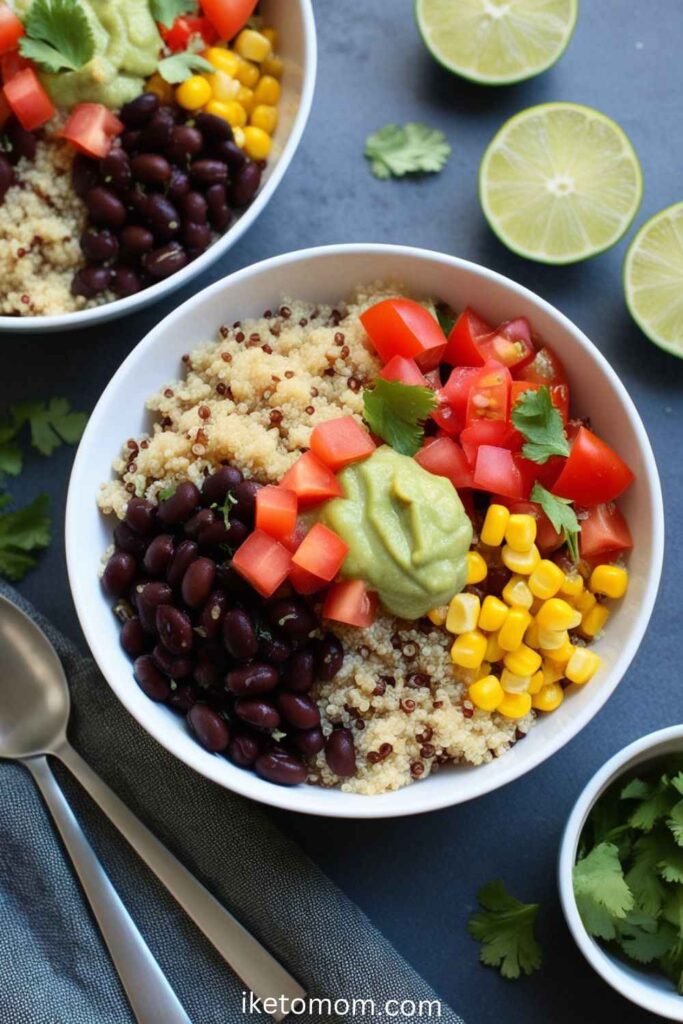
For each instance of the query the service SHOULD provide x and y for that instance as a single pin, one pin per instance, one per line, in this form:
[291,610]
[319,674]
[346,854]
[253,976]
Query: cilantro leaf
[166,11]
[10,459]
[642,877]
[444,314]
[636,789]
[535,416]
[561,515]
[226,508]
[51,424]
[644,938]
[675,822]
[59,36]
[601,891]
[658,804]
[22,533]
[395,412]
[505,927]
[410,149]
[166,493]
[181,66]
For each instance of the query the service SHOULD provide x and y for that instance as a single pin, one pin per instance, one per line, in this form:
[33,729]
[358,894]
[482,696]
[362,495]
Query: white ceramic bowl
[297,45]
[651,991]
[329,274]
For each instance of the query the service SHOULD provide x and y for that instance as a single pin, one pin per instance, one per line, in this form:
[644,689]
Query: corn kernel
[552,639]
[223,60]
[515,705]
[521,562]
[572,585]
[245,96]
[483,670]
[523,662]
[273,66]
[438,615]
[476,568]
[267,90]
[495,522]
[559,655]
[247,74]
[516,593]
[253,45]
[610,580]
[486,693]
[219,109]
[520,532]
[585,601]
[552,673]
[160,87]
[546,579]
[469,649]
[511,633]
[593,621]
[493,613]
[235,114]
[513,683]
[494,652]
[537,682]
[557,614]
[271,36]
[582,666]
[193,93]
[531,637]
[257,144]
[223,87]
[548,698]
[238,136]
[463,613]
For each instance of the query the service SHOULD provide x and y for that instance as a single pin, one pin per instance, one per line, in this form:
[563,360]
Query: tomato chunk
[184,28]
[444,457]
[604,533]
[545,368]
[462,347]
[305,582]
[559,395]
[593,474]
[510,344]
[276,510]
[352,603]
[321,552]
[263,562]
[491,432]
[228,16]
[12,62]
[547,537]
[405,371]
[489,397]
[339,442]
[91,129]
[30,104]
[452,409]
[402,327]
[497,470]
[311,480]
[11,29]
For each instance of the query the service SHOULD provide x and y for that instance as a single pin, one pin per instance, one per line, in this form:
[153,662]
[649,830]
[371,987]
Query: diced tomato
[545,368]
[311,480]
[547,537]
[444,457]
[305,582]
[559,395]
[184,28]
[11,63]
[228,16]
[489,397]
[341,441]
[5,110]
[593,474]
[491,432]
[401,327]
[29,101]
[467,498]
[321,552]
[405,371]
[91,128]
[462,347]
[510,344]
[545,474]
[263,562]
[276,510]
[604,533]
[293,539]
[352,603]
[11,29]
[452,409]
[497,470]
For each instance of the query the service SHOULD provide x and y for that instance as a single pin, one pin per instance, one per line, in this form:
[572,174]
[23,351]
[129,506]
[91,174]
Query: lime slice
[653,279]
[559,183]
[496,42]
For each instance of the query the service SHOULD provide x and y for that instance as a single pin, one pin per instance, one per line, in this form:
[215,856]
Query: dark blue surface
[417,878]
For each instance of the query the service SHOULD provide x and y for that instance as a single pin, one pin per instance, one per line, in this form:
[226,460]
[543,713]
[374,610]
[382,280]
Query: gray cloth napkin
[54,967]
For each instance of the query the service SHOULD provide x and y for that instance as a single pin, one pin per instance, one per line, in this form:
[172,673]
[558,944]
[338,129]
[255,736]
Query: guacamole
[407,532]
[127,47]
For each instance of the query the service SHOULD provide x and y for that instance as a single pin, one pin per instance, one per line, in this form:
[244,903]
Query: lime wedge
[496,42]
[653,279]
[559,183]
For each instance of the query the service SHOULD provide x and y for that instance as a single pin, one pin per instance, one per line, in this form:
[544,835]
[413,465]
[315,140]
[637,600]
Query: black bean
[22,142]
[138,586]
[115,170]
[231,153]
[193,207]
[137,112]
[245,501]
[141,515]
[245,184]
[244,748]
[150,679]
[216,486]
[161,263]
[299,710]
[214,128]
[90,281]
[255,678]
[329,656]
[84,174]
[105,207]
[208,172]
[208,676]
[151,168]
[229,580]
[221,218]
[150,598]
[182,698]
[130,140]
[211,618]
[293,617]
[309,741]
[300,672]
[133,638]
[99,246]
[216,196]
[274,650]
[180,505]
[126,281]
[340,753]
[209,728]
[259,714]
[163,217]
[175,668]
[174,628]
[198,582]
[185,553]
[119,573]
[197,237]
[185,142]
[282,768]
[137,239]
[179,185]
[159,554]
[217,534]
[129,540]
[193,526]
[136,199]
[156,134]
[239,635]
[6,176]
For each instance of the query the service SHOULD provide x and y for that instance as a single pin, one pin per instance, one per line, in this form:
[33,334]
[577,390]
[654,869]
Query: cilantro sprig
[505,927]
[59,36]
[562,516]
[23,532]
[181,66]
[535,416]
[413,148]
[396,412]
[166,11]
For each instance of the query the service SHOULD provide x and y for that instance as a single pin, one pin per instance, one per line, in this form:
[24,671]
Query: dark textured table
[417,878]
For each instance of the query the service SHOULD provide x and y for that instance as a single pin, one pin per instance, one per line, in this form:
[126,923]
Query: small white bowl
[329,274]
[647,989]
[297,45]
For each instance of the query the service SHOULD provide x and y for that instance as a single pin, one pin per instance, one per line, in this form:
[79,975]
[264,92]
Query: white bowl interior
[330,274]
[297,47]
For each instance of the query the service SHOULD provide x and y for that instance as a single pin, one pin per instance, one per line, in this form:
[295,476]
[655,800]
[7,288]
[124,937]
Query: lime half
[496,42]
[559,183]
[653,279]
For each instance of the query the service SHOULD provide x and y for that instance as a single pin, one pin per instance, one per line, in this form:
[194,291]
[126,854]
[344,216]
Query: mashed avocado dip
[407,532]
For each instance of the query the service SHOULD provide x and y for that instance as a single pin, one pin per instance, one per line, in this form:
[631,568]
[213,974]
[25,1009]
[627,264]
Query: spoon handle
[151,997]
[260,971]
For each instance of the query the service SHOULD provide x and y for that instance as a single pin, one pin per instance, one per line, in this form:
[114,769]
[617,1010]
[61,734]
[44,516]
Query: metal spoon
[34,712]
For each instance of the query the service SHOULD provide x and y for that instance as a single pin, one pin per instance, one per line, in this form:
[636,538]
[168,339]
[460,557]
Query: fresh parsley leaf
[181,66]
[601,892]
[396,412]
[505,927]
[535,416]
[51,423]
[410,149]
[22,533]
[166,11]
[562,516]
[59,36]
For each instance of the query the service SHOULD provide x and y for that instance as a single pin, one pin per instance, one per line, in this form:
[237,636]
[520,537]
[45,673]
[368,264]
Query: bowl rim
[666,1004]
[122,307]
[280,796]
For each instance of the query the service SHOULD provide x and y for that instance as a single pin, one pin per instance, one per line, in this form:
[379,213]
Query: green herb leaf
[636,789]
[643,878]
[166,11]
[658,804]
[396,412]
[644,938]
[562,516]
[601,891]
[51,424]
[166,493]
[446,318]
[11,459]
[505,927]
[410,149]
[226,508]
[59,36]
[180,66]
[22,533]
[535,416]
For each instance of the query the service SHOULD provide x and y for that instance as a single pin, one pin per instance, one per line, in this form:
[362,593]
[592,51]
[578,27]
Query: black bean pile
[238,667]
[16,143]
[155,201]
